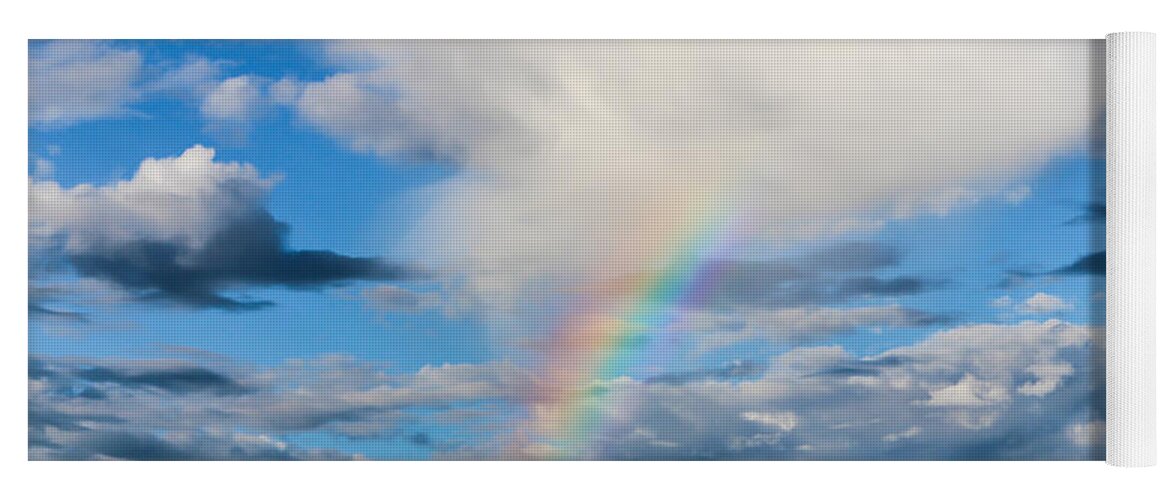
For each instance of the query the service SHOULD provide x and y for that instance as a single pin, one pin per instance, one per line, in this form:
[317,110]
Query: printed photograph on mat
[566,250]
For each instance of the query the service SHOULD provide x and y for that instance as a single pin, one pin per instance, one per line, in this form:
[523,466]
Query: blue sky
[391,197]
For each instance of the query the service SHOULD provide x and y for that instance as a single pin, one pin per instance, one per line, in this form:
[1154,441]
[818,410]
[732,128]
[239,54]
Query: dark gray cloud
[36,310]
[181,380]
[420,439]
[861,367]
[105,443]
[186,230]
[1093,213]
[1093,264]
[833,275]
[247,251]
[41,304]
[871,286]
[855,256]
[739,369]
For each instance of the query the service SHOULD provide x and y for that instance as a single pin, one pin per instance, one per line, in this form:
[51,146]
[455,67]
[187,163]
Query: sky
[791,250]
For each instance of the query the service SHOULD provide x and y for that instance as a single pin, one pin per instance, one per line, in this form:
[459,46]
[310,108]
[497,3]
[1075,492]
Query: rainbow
[620,324]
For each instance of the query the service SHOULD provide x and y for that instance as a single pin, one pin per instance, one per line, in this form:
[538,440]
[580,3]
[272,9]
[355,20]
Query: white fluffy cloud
[70,81]
[591,158]
[1043,303]
[236,99]
[182,199]
[184,229]
[285,91]
[946,397]
[970,391]
[1039,303]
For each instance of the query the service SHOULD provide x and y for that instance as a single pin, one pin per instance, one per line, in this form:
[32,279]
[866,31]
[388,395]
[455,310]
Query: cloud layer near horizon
[1030,390]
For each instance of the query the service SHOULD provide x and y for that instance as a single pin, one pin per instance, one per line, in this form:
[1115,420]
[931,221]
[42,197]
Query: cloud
[1048,376]
[1094,213]
[391,298]
[38,310]
[910,433]
[1018,194]
[420,439]
[43,168]
[1043,303]
[1087,434]
[167,409]
[178,379]
[99,443]
[43,302]
[978,392]
[836,274]
[588,159]
[832,289]
[185,230]
[285,91]
[738,369]
[851,256]
[785,420]
[191,80]
[799,325]
[72,81]
[234,100]
[836,289]
[774,284]
[1093,264]
[970,393]
[76,81]
[1029,390]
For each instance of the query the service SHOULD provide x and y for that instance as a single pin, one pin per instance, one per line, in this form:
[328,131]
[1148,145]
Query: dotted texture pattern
[1130,192]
